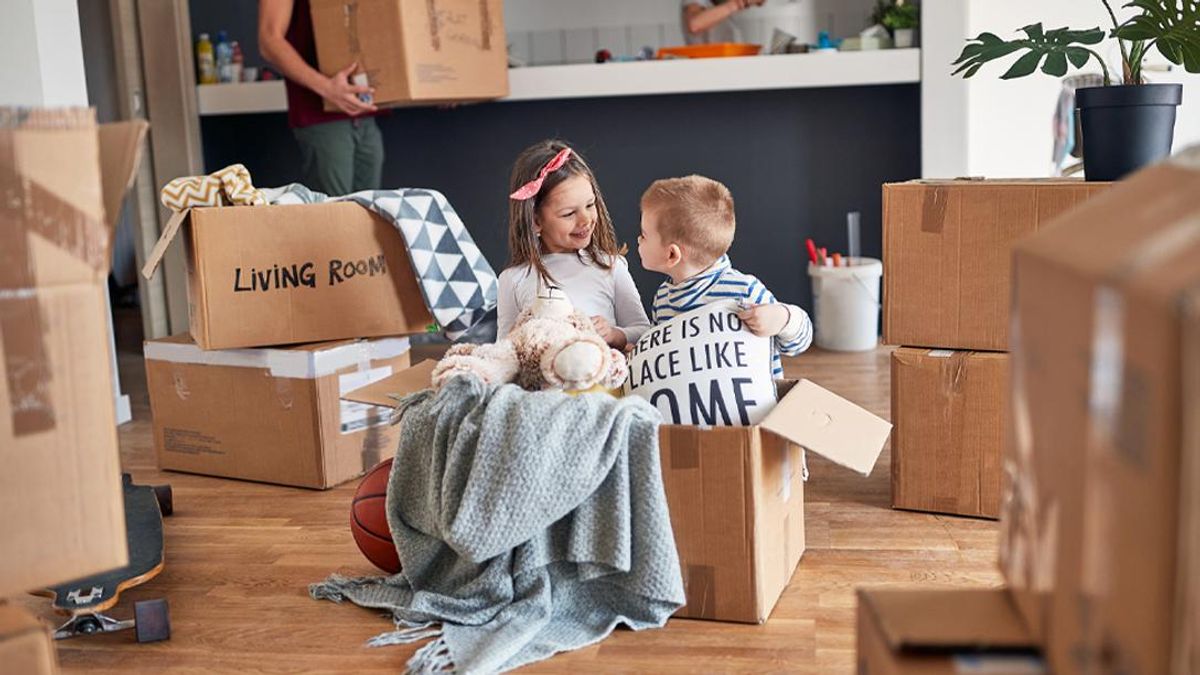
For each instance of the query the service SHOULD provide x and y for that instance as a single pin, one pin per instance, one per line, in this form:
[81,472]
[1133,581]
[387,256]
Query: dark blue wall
[795,160]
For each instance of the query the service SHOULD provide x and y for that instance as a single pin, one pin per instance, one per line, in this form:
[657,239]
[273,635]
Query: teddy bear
[551,346]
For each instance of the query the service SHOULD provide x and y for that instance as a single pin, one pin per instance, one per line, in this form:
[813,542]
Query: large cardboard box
[950,411]
[261,276]
[25,643]
[271,415]
[1101,518]
[943,632]
[736,494]
[947,255]
[436,51]
[58,437]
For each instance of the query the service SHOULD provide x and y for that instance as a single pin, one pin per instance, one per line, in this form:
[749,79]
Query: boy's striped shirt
[722,282]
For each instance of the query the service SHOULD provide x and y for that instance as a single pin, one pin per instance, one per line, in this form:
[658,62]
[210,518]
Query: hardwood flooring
[241,555]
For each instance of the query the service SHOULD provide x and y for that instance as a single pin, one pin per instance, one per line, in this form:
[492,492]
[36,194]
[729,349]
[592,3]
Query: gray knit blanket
[527,523]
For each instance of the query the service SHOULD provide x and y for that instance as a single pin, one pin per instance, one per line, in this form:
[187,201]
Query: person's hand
[764,320]
[615,337]
[343,94]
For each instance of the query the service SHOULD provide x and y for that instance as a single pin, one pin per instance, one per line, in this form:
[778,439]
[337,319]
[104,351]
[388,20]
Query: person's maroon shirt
[305,106]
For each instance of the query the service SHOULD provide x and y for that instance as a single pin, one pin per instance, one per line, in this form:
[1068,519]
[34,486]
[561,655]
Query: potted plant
[1126,125]
[900,17]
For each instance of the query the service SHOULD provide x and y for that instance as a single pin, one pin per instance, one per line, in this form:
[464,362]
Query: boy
[687,228]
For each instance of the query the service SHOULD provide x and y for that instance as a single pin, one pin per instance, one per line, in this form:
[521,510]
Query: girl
[560,234]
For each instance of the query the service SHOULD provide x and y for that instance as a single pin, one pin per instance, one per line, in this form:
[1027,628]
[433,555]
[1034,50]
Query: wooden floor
[241,555]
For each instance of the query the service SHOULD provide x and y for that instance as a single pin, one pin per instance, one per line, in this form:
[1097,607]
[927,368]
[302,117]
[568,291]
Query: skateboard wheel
[166,499]
[152,620]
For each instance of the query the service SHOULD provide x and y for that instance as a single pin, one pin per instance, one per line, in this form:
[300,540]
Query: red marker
[824,255]
[812,251]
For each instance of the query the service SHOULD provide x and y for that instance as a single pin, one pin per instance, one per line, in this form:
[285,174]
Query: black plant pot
[1126,127]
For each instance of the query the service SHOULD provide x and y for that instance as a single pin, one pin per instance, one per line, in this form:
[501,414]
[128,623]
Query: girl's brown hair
[523,244]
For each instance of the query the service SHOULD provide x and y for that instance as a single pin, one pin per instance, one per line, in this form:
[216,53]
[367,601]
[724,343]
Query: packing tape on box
[29,210]
[291,363]
[700,588]
[933,209]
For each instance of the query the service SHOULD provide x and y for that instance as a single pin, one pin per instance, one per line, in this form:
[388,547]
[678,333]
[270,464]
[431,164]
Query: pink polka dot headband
[530,189]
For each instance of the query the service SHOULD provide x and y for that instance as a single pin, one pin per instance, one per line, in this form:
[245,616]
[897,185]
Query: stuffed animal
[551,346]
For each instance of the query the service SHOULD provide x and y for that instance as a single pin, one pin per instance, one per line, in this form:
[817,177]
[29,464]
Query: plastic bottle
[238,62]
[205,63]
[224,57]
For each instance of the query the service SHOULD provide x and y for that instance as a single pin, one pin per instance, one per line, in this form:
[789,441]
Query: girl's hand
[615,337]
[764,320]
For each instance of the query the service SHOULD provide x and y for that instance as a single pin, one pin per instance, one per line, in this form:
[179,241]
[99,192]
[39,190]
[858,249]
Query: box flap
[385,391]
[966,619]
[830,426]
[14,621]
[120,154]
[155,256]
[980,180]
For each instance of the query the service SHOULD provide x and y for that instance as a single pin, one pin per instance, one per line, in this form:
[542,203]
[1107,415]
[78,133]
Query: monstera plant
[1124,125]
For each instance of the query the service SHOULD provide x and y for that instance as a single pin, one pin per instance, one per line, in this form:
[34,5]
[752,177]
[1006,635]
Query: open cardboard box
[736,494]
[63,177]
[943,632]
[261,276]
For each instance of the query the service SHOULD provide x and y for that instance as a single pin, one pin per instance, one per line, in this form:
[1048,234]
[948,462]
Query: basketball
[368,519]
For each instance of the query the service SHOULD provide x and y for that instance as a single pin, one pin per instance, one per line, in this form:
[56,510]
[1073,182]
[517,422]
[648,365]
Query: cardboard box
[736,494]
[1101,519]
[271,415]
[951,415]
[58,438]
[25,643]
[437,51]
[947,255]
[943,632]
[260,276]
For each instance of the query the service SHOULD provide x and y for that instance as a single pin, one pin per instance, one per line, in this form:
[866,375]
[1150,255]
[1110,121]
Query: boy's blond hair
[694,212]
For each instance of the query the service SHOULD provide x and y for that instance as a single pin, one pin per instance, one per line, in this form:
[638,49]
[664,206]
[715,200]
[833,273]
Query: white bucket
[846,305]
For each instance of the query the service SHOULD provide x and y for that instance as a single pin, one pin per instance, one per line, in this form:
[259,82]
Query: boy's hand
[764,320]
[615,337]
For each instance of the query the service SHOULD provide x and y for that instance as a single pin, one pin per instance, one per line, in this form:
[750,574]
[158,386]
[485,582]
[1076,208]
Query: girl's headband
[530,189]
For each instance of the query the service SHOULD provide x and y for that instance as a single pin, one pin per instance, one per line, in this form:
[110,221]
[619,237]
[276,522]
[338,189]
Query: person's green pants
[341,157]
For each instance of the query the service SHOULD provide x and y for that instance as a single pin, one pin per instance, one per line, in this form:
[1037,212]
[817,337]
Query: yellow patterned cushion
[229,186]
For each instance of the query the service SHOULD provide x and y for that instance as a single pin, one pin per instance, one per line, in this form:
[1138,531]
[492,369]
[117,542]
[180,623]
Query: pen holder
[846,305]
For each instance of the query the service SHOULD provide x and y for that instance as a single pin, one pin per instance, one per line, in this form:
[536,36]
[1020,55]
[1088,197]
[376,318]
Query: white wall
[544,32]
[995,128]
[41,54]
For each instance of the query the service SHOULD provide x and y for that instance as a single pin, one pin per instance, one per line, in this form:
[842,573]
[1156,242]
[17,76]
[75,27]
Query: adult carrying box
[271,415]
[262,276]
[947,255]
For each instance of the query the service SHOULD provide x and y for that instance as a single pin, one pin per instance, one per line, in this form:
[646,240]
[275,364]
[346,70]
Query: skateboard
[86,600]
